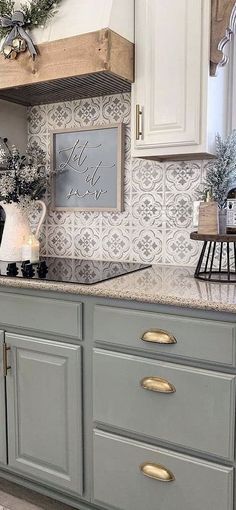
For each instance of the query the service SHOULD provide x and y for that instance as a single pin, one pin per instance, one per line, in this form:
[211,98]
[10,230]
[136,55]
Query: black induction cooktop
[54,269]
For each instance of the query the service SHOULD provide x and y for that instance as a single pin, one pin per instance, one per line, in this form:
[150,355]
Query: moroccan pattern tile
[87,112]
[87,244]
[157,218]
[60,116]
[179,210]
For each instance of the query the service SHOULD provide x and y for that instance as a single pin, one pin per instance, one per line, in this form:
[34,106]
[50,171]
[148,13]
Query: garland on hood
[15,24]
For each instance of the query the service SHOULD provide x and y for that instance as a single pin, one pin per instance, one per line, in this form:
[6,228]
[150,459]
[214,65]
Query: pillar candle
[30,249]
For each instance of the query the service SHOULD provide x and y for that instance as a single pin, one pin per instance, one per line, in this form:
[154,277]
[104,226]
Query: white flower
[27,204]
[14,151]
[7,185]
[29,174]
[2,156]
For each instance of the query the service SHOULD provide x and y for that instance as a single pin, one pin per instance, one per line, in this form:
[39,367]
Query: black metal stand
[217,261]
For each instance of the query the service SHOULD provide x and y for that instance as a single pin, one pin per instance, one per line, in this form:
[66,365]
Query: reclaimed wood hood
[85,65]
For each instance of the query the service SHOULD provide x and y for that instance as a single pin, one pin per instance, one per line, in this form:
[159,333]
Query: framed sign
[87,168]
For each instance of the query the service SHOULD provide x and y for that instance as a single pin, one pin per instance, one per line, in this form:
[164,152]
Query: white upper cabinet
[177,108]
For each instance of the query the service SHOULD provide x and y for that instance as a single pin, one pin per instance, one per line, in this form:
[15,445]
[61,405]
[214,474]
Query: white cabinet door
[44,410]
[3,454]
[168,74]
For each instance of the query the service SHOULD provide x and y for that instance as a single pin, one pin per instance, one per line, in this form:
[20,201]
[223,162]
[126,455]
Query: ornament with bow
[16,24]
[17,40]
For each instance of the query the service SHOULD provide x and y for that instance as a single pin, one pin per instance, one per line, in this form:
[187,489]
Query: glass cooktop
[87,272]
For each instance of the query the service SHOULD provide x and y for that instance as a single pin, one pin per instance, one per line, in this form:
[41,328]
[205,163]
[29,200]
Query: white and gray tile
[158,197]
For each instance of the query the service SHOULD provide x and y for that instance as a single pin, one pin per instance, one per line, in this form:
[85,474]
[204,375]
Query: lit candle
[30,249]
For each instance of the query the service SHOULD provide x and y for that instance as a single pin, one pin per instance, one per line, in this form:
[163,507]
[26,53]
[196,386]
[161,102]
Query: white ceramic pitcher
[16,230]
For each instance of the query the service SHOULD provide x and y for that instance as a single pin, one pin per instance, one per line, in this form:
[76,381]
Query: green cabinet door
[3,455]
[44,410]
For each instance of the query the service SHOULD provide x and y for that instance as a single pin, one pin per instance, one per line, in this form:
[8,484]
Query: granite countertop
[169,285]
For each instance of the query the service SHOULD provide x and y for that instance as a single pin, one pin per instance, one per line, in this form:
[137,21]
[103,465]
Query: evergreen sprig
[36,14]
[221,173]
[6,9]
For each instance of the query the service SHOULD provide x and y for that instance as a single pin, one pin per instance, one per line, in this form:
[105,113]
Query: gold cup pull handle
[157,384]
[157,471]
[158,336]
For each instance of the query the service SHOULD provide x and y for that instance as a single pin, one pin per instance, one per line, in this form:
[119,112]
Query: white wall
[13,123]
[122,18]
[76,17]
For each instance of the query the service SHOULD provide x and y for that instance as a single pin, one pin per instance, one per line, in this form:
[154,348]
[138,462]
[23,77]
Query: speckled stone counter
[169,285]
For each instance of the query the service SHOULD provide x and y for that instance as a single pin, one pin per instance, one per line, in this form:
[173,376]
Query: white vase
[16,231]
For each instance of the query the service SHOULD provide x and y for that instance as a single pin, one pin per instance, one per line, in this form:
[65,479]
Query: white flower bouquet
[23,178]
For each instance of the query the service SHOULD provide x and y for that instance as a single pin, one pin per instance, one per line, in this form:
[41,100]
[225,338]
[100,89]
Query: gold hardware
[157,471]
[139,114]
[157,384]
[158,336]
[6,367]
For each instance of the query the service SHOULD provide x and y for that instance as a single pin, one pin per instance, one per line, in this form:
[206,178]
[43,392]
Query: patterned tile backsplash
[157,220]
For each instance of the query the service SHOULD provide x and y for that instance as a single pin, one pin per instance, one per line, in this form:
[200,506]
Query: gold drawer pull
[157,471]
[157,384]
[159,336]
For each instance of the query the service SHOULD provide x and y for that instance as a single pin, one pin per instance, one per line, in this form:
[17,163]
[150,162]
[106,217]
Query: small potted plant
[23,182]
[221,172]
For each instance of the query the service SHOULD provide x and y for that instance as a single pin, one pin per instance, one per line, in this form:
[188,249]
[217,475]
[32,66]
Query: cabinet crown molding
[222,27]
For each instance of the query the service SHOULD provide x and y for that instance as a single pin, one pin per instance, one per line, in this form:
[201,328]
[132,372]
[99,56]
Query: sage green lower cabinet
[44,410]
[119,482]
[3,453]
[117,405]
[194,408]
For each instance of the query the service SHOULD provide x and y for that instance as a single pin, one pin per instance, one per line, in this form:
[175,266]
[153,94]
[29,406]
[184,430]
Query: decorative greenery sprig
[6,7]
[221,172]
[36,14]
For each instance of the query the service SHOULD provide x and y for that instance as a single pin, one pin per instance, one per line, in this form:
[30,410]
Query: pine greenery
[221,173]
[6,9]
[37,13]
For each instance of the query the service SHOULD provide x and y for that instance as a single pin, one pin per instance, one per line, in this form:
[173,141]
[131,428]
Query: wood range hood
[92,64]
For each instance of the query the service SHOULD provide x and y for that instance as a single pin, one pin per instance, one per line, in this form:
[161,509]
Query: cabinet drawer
[198,339]
[199,414]
[41,314]
[119,482]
